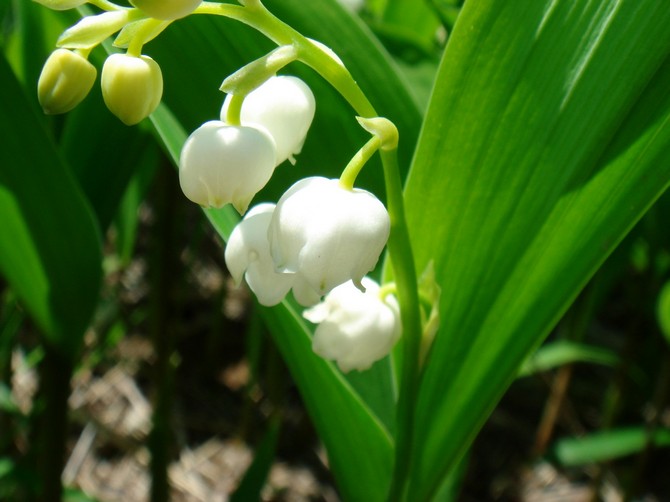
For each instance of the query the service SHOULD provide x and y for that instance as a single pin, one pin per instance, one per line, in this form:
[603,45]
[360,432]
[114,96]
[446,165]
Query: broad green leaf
[546,139]
[607,445]
[563,352]
[49,243]
[341,417]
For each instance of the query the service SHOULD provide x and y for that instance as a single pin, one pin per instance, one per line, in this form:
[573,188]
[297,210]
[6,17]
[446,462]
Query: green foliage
[664,311]
[541,147]
[545,139]
[50,243]
[608,445]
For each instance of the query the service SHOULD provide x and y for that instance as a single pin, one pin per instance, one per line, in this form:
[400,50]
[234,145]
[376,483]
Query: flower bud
[355,328]
[285,107]
[327,233]
[223,164]
[66,79]
[132,87]
[166,9]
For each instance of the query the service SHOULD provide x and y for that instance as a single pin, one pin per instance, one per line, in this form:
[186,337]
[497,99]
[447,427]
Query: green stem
[262,20]
[234,110]
[56,372]
[165,261]
[147,30]
[402,261]
[348,177]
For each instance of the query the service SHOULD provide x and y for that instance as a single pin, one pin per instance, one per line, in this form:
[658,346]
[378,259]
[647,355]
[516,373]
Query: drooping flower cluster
[323,235]
[318,236]
[321,238]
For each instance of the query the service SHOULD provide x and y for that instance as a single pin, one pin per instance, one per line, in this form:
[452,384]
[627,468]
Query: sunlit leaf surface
[545,140]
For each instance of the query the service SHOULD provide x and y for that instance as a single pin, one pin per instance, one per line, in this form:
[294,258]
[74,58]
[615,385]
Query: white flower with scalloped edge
[222,164]
[284,106]
[355,329]
[327,233]
[248,255]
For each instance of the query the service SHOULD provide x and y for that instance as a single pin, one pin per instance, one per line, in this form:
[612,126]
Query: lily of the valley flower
[328,234]
[66,79]
[132,87]
[167,9]
[285,107]
[223,164]
[354,328]
[248,255]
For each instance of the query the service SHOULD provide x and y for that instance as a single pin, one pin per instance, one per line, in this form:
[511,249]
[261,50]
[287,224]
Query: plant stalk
[165,261]
[402,261]
[55,374]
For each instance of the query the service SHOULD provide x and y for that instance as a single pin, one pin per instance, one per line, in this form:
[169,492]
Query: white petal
[356,329]
[223,164]
[284,106]
[304,294]
[247,253]
[327,233]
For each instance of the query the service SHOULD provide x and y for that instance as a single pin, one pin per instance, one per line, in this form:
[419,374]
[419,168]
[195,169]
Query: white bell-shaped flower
[284,106]
[355,329]
[248,255]
[223,164]
[327,233]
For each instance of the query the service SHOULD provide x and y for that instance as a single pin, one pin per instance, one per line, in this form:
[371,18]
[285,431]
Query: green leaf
[546,139]
[607,445]
[7,403]
[254,478]
[663,311]
[341,417]
[563,352]
[49,244]
[409,23]
[104,154]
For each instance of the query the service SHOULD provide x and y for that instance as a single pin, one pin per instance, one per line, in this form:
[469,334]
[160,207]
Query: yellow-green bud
[131,86]
[66,79]
[166,9]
